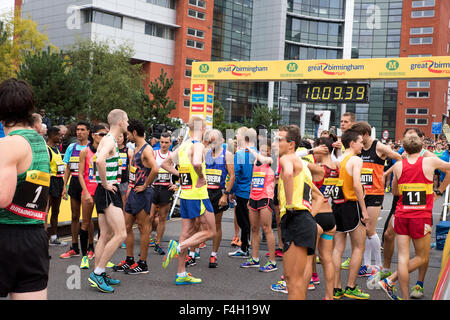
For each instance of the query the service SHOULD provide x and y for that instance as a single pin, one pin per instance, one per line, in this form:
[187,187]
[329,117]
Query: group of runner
[317,196]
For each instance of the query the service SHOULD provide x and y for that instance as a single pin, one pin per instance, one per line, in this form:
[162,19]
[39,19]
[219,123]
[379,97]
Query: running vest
[74,160]
[263,182]
[112,166]
[188,176]
[372,171]
[31,195]
[164,178]
[138,172]
[328,183]
[123,171]
[415,190]
[89,177]
[216,170]
[302,193]
[57,165]
[346,183]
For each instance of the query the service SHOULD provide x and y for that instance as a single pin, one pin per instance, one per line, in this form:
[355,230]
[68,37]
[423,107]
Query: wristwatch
[438,192]
[226,192]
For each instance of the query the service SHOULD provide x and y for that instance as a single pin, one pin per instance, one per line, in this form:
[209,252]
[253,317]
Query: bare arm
[229,160]
[388,152]
[81,170]
[357,164]
[317,171]
[8,172]
[169,163]
[317,199]
[148,159]
[287,175]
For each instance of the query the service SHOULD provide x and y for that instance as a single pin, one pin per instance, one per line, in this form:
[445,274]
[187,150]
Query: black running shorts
[299,228]
[104,198]
[214,197]
[75,188]
[348,215]
[325,220]
[162,195]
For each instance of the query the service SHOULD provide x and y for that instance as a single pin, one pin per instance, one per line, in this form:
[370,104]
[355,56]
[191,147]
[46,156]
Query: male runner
[57,169]
[108,201]
[373,154]
[71,159]
[88,185]
[413,183]
[163,190]
[25,177]
[351,214]
[194,201]
[143,170]
[219,164]
[299,201]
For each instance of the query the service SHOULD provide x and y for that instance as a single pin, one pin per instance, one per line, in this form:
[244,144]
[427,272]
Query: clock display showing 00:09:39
[333,92]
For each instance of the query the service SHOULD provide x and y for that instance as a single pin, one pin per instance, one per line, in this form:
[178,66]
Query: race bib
[163,178]
[258,180]
[414,196]
[185,178]
[213,178]
[327,186]
[367,177]
[337,194]
[60,168]
[307,196]
[132,176]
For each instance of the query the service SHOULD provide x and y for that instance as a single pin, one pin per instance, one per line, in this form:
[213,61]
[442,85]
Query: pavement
[227,282]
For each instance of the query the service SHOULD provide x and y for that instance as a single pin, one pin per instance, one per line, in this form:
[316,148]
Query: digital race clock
[328,92]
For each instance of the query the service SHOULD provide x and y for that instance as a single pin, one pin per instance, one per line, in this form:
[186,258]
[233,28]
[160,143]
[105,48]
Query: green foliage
[219,122]
[261,115]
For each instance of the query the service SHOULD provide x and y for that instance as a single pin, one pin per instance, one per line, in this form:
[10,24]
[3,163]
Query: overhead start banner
[336,69]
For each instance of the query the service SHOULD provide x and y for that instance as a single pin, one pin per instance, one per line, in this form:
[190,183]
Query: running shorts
[191,209]
[24,258]
[75,188]
[372,200]
[325,220]
[214,197]
[261,204]
[104,198]
[137,202]
[299,228]
[416,228]
[348,215]
[56,187]
[162,195]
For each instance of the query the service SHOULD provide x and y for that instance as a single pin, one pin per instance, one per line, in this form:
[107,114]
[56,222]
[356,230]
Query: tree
[58,87]
[219,122]
[18,38]
[114,82]
[261,115]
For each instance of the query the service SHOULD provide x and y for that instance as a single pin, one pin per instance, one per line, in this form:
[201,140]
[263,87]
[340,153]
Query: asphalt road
[227,282]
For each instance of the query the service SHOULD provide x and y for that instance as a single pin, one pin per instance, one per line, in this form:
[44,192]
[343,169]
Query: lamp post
[231,100]
[284,98]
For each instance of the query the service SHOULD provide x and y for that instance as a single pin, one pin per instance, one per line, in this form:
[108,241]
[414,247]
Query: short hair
[53,131]
[349,136]
[250,135]
[293,134]
[194,121]
[166,135]
[412,144]
[362,127]
[351,115]
[36,117]
[418,131]
[115,116]
[326,141]
[84,123]
[216,133]
[96,128]
[138,126]
[16,102]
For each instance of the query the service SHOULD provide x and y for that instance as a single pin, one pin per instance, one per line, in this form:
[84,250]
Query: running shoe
[239,254]
[90,254]
[202,245]
[236,242]
[111,281]
[57,242]
[278,253]
[110,264]
[122,266]
[374,279]
[356,293]
[280,286]
[417,292]
[137,268]
[190,261]
[187,279]
[151,242]
[159,250]
[269,267]
[69,254]
[100,282]
[315,279]
[317,260]
[346,264]
[311,286]
[84,263]
[390,289]
[338,293]
[363,272]
[123,245]
[212,262]
[251,263]
[171,253]
[197,255]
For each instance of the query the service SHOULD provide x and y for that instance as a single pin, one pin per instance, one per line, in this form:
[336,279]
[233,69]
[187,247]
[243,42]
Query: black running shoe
[190,261]
[137,268]
[122,266]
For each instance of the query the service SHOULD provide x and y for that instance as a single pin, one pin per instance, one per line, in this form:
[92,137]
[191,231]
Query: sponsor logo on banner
[392,65]
[204,68]
[209,108]
[208,118]
[335,69]
[244,71]
[209,98]
[198,87]
[197,108]
[210,88]
[292,67]
[198,98]
[432,66]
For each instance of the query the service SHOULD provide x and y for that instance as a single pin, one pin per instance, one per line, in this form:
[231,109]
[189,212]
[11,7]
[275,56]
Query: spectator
[45,119]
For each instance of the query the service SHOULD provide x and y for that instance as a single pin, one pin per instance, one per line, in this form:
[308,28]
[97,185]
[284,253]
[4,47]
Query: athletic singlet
[263,182]
[123,172]
[302,193]
[329,181]
[216,170]
[57,165]
[188,176]
[31,195]
[372,171]
[138,172]
[74,159]
[112,166]
[348,191]
[164,178]
[89,178]
[415,192]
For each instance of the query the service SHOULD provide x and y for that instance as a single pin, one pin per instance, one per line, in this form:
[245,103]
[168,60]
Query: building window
[421,40]
[198,3]
[422,14]
[163,3]
[416,121]
[418,84]
[188,73]
[195,44]
[418,94]
[196,33]
[189,62]
[416,111]
[423,30]
[424,3]
[186,92]
[104,18]
[196,14]
[186,103]
[159,30]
